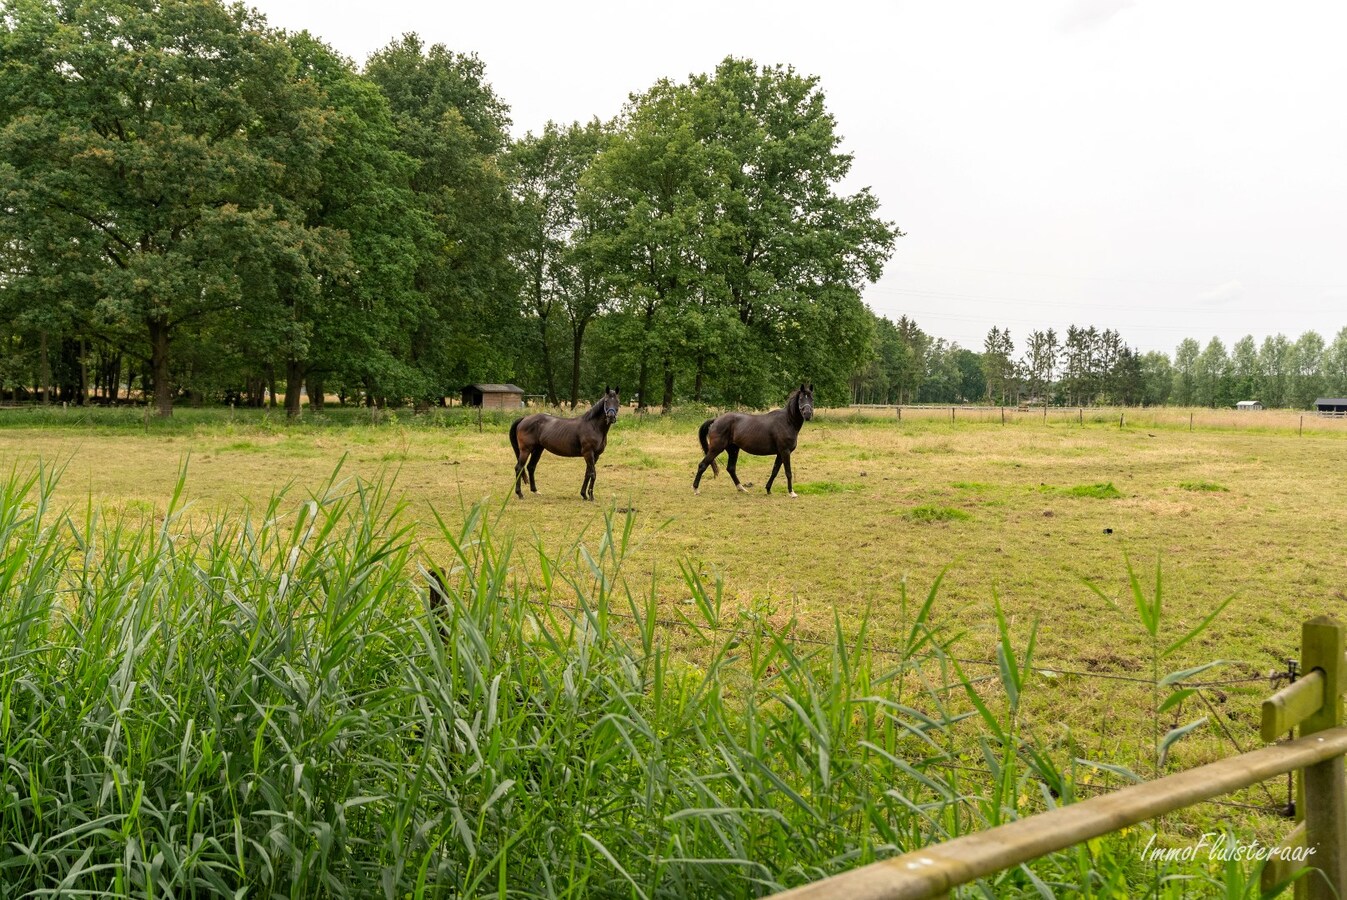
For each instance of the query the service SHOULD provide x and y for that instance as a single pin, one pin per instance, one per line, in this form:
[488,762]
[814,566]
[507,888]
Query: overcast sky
[1169,168]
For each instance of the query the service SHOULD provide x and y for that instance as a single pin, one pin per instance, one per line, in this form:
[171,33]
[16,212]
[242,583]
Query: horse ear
[801,385]
[811,387]
[617,389]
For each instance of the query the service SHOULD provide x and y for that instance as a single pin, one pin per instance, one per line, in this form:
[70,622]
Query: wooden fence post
[1323,643]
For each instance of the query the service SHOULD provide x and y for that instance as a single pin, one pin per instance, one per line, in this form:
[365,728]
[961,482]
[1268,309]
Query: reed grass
[273,704]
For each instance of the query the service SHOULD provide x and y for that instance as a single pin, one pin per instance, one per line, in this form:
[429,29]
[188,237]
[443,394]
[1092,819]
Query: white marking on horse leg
[793,494]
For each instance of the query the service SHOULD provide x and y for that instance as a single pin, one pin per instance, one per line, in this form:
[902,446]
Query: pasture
[1017,516]
[1024,512]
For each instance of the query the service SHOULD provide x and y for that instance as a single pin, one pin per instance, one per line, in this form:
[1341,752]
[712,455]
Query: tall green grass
[273,704]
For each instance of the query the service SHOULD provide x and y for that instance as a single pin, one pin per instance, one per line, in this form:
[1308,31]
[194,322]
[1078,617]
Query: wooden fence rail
[1313,704]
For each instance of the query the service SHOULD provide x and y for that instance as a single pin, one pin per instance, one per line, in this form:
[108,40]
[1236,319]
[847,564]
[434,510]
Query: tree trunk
[294,383]
[701,378]
[44,367]
[549,379]
[645,357]
[316,393]
[578,336]
[668,386]
[271,386]
[84,372]
[163,391]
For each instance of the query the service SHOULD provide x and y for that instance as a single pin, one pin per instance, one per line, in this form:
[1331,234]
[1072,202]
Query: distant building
[1335,407]
[1248,405]
[494,396]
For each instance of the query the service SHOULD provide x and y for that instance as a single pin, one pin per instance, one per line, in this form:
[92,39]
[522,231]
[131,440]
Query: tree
[557,269]
[1307,369]
[151,144]
[997,367]
[363,190]
[1040,362]
[1275,362]
[730,232]
[1244,370]
[462,321]
[1335,366]
[1184,392]
[1211,375]
[1157,378]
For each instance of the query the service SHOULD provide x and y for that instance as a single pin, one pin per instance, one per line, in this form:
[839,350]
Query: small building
[1335,407]
[494,396]
[1248,405]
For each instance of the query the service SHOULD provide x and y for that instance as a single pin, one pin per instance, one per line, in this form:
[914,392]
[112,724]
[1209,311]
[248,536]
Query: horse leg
[701,467]
[733,464]
[712,451]
[519,473]
[790,484]
[588,483]
[776,467]
[533,464]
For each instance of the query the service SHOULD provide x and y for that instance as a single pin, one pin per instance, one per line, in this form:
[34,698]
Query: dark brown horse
[585,436]
[768,434]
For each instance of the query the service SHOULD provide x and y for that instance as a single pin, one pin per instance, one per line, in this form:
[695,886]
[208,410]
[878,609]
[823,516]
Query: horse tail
[514,436]
[706,446]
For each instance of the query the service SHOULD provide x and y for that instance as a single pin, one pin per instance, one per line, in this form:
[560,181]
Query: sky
[1168,168]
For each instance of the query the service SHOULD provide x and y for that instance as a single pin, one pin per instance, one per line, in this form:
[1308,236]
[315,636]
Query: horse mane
[596,410]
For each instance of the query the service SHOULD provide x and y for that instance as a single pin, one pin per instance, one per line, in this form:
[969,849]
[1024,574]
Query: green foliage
[1202,486]
[1150,613]
[737,258]
[936,514]
[1104,491]
[825,487]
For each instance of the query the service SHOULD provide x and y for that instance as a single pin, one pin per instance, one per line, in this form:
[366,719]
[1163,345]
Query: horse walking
[762,435]
[585,436]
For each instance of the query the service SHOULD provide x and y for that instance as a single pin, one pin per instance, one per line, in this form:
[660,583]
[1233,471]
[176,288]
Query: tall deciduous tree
[1335,365]
[155,145]
[462,322]
[1275,361]
[560,277]
[731,237]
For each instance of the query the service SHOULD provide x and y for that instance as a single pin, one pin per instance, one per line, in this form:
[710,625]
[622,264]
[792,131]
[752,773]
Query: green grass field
[1025,513]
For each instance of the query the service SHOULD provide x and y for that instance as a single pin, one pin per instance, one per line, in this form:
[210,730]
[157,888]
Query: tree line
[1088,366]
[197,206]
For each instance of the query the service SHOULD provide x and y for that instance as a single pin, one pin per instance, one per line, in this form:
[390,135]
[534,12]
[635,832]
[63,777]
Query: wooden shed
[494,396]
[1336,407]
[1248,405]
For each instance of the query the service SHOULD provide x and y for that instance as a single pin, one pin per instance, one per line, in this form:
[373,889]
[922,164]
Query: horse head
[805,400]
[611,403]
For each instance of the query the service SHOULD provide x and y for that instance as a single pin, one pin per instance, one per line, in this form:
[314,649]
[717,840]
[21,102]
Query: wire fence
[1159,417]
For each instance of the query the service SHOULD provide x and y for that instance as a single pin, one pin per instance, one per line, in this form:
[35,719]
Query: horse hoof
[696,492]
[793,494]
[742,489]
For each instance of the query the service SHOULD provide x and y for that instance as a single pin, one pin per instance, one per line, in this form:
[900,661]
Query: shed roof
[498,388]
[1331,401]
